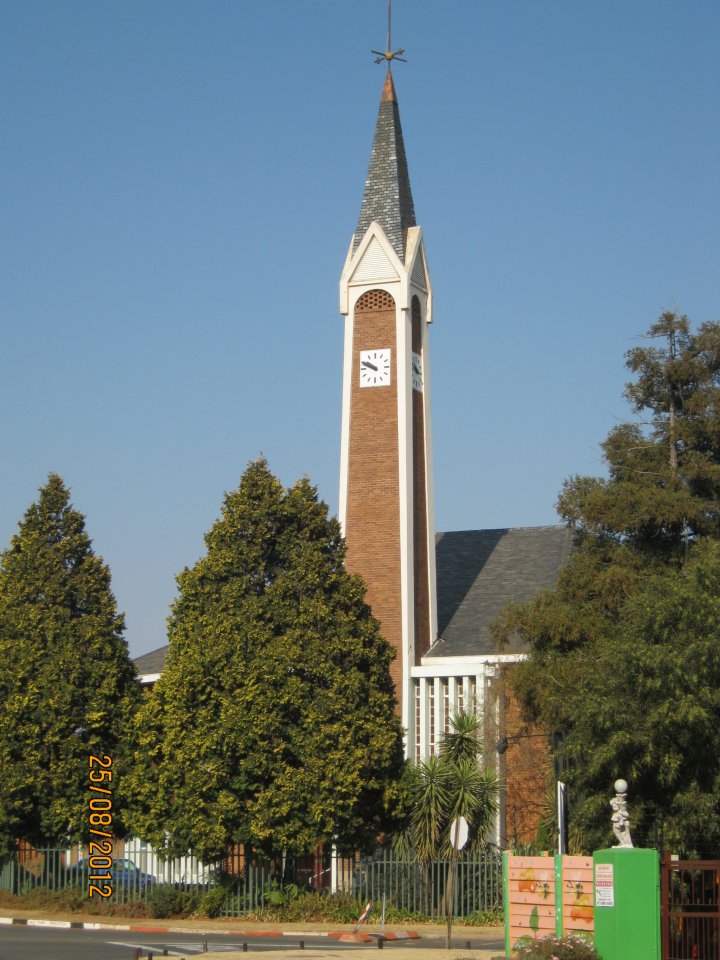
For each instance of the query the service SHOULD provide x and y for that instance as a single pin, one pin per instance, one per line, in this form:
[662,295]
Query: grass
[166,902]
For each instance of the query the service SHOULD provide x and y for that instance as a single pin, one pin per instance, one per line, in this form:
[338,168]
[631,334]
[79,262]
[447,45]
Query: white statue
[621,818]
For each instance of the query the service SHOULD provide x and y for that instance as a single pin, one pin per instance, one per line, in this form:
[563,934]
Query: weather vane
[389,54]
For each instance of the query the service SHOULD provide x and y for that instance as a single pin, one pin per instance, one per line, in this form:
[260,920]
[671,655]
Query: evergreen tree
[67,686]
[663,488]
[625,652]
[273,723]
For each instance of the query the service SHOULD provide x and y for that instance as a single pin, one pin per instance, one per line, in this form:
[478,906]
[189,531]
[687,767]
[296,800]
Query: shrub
[211,903]
[306,906]
[165,901]
[555,948]
[483,918]
[55,900]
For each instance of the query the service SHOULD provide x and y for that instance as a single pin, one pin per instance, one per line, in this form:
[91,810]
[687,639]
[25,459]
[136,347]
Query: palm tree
[449,785]
[440,790]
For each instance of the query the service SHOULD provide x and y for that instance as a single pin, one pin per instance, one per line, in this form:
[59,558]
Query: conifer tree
[67,686]
[625,652]
[273,723]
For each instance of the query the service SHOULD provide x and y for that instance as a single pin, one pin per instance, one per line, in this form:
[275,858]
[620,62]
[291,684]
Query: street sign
[459,833]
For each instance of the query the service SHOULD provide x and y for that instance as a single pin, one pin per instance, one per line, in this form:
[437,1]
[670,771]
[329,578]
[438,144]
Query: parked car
[124,873]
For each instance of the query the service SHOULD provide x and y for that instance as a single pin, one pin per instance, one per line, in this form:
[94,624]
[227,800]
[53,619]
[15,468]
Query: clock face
[417,381]
[374,368]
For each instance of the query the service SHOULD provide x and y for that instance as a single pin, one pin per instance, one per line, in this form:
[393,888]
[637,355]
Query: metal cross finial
[389,55]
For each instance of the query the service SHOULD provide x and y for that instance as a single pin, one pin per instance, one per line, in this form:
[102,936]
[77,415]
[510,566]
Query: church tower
[386,489]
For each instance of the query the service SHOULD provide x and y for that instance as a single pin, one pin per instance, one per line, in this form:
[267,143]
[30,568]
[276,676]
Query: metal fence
[690,909]
[240,885]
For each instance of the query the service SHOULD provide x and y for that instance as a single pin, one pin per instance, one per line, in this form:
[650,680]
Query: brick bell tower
[386,490]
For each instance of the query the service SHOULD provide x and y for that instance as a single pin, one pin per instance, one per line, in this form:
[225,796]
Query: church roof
[153,662]
[387,197]
[480,571]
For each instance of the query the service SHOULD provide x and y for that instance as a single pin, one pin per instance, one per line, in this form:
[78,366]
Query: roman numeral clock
[386,465]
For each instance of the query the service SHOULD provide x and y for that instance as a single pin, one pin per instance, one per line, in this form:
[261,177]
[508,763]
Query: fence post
[665,902]
[558,895]
[506,899]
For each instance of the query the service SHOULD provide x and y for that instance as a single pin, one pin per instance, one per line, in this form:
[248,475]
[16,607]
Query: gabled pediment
[374,265]
[416,267]
[415,259]
[375,259]
[374,262]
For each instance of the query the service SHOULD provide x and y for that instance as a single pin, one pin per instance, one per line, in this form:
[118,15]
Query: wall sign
[604,885]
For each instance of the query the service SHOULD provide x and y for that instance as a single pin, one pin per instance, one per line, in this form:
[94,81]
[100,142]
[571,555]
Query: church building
[435,595]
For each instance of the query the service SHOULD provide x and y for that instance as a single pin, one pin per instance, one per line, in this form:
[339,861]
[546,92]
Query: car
[123,873]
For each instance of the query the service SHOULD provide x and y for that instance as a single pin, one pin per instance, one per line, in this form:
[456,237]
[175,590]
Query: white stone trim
[423,719]
[445,666]
[374,265]
[403,339]
[429,475]
[345,419]
[452,691]
[437,684]
[145,678]
[348,287]
[416,250]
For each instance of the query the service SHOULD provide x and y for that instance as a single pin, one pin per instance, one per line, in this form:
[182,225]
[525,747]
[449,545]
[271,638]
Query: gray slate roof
[153,662]
[479,571]
[388,197]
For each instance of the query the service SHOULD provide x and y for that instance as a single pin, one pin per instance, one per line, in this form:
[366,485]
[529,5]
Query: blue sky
[179,182]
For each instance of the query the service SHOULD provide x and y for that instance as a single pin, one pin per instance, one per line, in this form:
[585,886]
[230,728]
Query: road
[38,943]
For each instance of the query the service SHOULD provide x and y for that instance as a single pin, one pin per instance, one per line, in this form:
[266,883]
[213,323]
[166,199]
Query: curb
[343,935]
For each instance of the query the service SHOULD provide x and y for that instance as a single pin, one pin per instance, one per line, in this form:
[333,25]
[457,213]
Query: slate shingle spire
[388,197]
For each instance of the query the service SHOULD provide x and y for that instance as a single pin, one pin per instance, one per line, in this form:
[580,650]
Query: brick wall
[372,521]
[528,774]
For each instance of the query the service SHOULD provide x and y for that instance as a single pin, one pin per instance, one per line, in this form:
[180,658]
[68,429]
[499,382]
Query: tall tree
[67,685]
[663,484]
[273,724]
[615,649]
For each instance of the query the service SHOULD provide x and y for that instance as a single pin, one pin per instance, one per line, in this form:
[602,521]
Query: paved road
[38,943]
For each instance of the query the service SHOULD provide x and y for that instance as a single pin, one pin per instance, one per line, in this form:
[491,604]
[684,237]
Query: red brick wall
[528,776]
[372,521]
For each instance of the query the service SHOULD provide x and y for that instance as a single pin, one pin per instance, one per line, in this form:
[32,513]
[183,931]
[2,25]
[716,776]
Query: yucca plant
[451,784]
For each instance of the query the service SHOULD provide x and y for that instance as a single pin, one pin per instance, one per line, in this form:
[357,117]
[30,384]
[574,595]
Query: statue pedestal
[627,903]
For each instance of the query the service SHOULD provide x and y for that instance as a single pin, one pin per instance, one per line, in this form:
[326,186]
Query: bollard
[205,950]
[165,951]
[381,943]
[467,944]
[245,947]
[302,944]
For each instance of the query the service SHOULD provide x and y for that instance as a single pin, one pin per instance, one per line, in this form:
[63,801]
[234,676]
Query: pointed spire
[388,197]
[388,94]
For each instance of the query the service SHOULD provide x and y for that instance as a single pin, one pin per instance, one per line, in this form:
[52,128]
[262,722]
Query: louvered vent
[374,265]
[418,273]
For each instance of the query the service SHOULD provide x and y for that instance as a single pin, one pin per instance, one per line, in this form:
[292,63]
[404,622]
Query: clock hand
[366,363]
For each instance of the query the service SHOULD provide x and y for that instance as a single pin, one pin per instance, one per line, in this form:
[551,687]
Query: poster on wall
[604,885]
